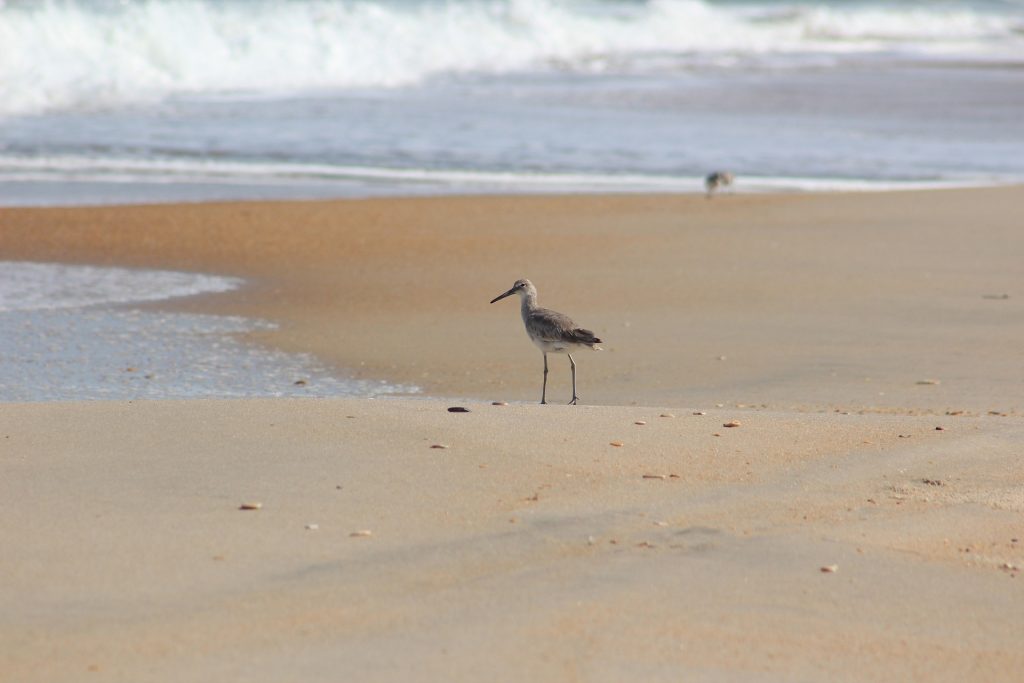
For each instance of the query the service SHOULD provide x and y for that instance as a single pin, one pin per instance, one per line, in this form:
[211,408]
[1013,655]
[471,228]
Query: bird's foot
[543,402]
[573,401]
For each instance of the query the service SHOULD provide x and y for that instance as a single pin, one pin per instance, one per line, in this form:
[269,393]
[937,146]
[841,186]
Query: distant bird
[716,180]
[551,331]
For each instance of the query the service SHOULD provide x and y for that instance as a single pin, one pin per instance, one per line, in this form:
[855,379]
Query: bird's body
[716,180]
[551,331]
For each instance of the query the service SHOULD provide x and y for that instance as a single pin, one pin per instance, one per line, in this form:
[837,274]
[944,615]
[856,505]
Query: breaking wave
[92,54]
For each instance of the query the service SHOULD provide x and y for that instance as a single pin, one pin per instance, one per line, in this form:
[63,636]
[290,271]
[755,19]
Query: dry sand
[532,548]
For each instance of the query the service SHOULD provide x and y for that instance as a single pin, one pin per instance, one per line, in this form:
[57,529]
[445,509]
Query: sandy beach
[864,519]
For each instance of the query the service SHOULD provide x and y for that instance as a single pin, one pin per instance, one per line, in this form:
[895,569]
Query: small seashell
[300,382]
[660,523]
[458,409]
[830,569]
[250,506]
[439,445]
[640,422]
[940,429]
[362,533]
[667,415]
[312,527]
[699,412]
[617,444]
[928,382]
[733,423]
[655,476]
[499,403]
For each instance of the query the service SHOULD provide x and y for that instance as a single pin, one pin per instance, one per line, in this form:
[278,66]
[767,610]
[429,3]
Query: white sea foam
[78,53]
[26,286]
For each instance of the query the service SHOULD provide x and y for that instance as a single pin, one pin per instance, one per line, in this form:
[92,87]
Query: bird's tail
[587,337]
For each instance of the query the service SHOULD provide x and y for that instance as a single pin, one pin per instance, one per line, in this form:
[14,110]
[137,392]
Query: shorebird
[551,331]
[716,180]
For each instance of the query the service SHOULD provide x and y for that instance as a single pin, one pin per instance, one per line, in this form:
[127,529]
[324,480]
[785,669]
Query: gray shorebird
[716,180]
[551,331]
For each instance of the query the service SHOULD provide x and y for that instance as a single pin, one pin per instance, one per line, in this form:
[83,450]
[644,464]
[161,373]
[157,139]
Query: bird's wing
[551,325]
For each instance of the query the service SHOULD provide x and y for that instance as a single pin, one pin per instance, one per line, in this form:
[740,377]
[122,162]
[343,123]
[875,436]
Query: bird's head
[521,287]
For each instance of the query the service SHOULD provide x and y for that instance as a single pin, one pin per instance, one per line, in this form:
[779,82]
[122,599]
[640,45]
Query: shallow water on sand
[72,333]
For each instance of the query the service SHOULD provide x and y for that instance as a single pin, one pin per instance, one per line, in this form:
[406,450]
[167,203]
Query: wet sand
[840,331]
[798,301]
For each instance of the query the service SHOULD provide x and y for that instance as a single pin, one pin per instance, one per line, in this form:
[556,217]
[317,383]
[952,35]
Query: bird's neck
[529,302]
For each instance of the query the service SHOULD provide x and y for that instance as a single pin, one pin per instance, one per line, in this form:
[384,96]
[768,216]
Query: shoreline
[174,193]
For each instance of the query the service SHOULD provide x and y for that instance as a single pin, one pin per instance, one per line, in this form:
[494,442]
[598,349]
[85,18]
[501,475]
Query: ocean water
[78,333]
[107,101]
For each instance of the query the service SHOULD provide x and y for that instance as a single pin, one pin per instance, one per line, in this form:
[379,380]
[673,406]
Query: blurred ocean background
[113,101]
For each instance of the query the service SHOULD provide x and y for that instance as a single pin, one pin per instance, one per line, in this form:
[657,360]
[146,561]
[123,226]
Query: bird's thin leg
[544,391]
[572,364]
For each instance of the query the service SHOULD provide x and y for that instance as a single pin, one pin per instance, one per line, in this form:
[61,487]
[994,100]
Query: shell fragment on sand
[250,506]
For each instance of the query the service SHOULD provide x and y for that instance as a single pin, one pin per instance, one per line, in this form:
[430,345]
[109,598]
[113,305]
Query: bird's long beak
[499,298]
